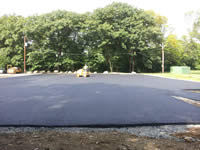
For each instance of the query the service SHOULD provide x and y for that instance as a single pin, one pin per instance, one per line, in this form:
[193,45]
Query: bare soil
[55,140]
[190,133]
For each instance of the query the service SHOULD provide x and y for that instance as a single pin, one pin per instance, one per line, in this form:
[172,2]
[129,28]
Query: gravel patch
[157,132]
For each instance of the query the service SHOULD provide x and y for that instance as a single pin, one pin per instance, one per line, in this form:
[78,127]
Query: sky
[174,10]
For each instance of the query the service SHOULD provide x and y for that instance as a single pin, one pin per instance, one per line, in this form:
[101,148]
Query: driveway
[101,100]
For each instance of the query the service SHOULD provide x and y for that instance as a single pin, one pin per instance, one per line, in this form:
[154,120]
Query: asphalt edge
[169,78]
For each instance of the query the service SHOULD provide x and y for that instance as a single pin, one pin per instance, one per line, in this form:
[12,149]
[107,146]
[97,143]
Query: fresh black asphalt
[100,100]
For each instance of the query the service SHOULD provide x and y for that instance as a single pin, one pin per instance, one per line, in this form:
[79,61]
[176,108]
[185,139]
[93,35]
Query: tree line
[118,37]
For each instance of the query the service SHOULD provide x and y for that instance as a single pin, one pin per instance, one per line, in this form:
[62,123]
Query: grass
[194,75]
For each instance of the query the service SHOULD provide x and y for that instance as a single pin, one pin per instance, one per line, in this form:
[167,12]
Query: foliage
[41,60]
[96,62]
[123,29]
[11,39]
[118,37]
[4,59]
[173,51]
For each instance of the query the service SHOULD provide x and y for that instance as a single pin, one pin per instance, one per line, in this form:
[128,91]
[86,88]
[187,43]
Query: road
[101,100]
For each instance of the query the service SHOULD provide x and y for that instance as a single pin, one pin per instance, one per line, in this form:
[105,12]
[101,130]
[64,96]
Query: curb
[3,76]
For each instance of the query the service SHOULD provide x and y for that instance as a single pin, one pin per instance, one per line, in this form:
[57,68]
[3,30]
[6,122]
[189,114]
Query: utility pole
[24,54]
[163,30]
[163,58]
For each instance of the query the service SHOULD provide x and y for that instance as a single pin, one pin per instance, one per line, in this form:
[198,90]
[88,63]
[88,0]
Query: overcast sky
[174,10]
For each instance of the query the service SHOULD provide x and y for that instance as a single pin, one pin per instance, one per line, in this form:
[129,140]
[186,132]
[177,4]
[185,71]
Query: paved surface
[64,100]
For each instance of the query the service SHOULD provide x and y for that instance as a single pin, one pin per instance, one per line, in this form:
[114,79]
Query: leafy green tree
[41,60]
[122,29]
[173,51]
[4,59]
[118,37]
[153,56]
[191,43]
[58,31]
[191,52]
[11,39]
[96,62]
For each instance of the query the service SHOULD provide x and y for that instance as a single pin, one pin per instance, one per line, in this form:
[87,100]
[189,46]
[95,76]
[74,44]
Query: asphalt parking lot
[100,100]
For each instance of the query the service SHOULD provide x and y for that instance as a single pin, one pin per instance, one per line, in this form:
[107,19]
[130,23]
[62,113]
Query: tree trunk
[110,65]
[130,64]
[59,56]
[133,64]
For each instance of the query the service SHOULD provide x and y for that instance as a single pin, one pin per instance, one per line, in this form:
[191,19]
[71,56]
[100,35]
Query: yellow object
[13,70]
[9,66]
[83,72]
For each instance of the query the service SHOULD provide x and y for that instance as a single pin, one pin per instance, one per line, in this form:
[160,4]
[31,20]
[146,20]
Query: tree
[191,43]
[118,37]
[191,52]
[173,51]
[4,59]
[41,60]
[58,31]
[11,39]
[122,29]
[161,23]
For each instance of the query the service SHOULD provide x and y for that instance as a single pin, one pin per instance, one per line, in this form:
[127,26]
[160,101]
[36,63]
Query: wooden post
[163,59]
[24,54]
